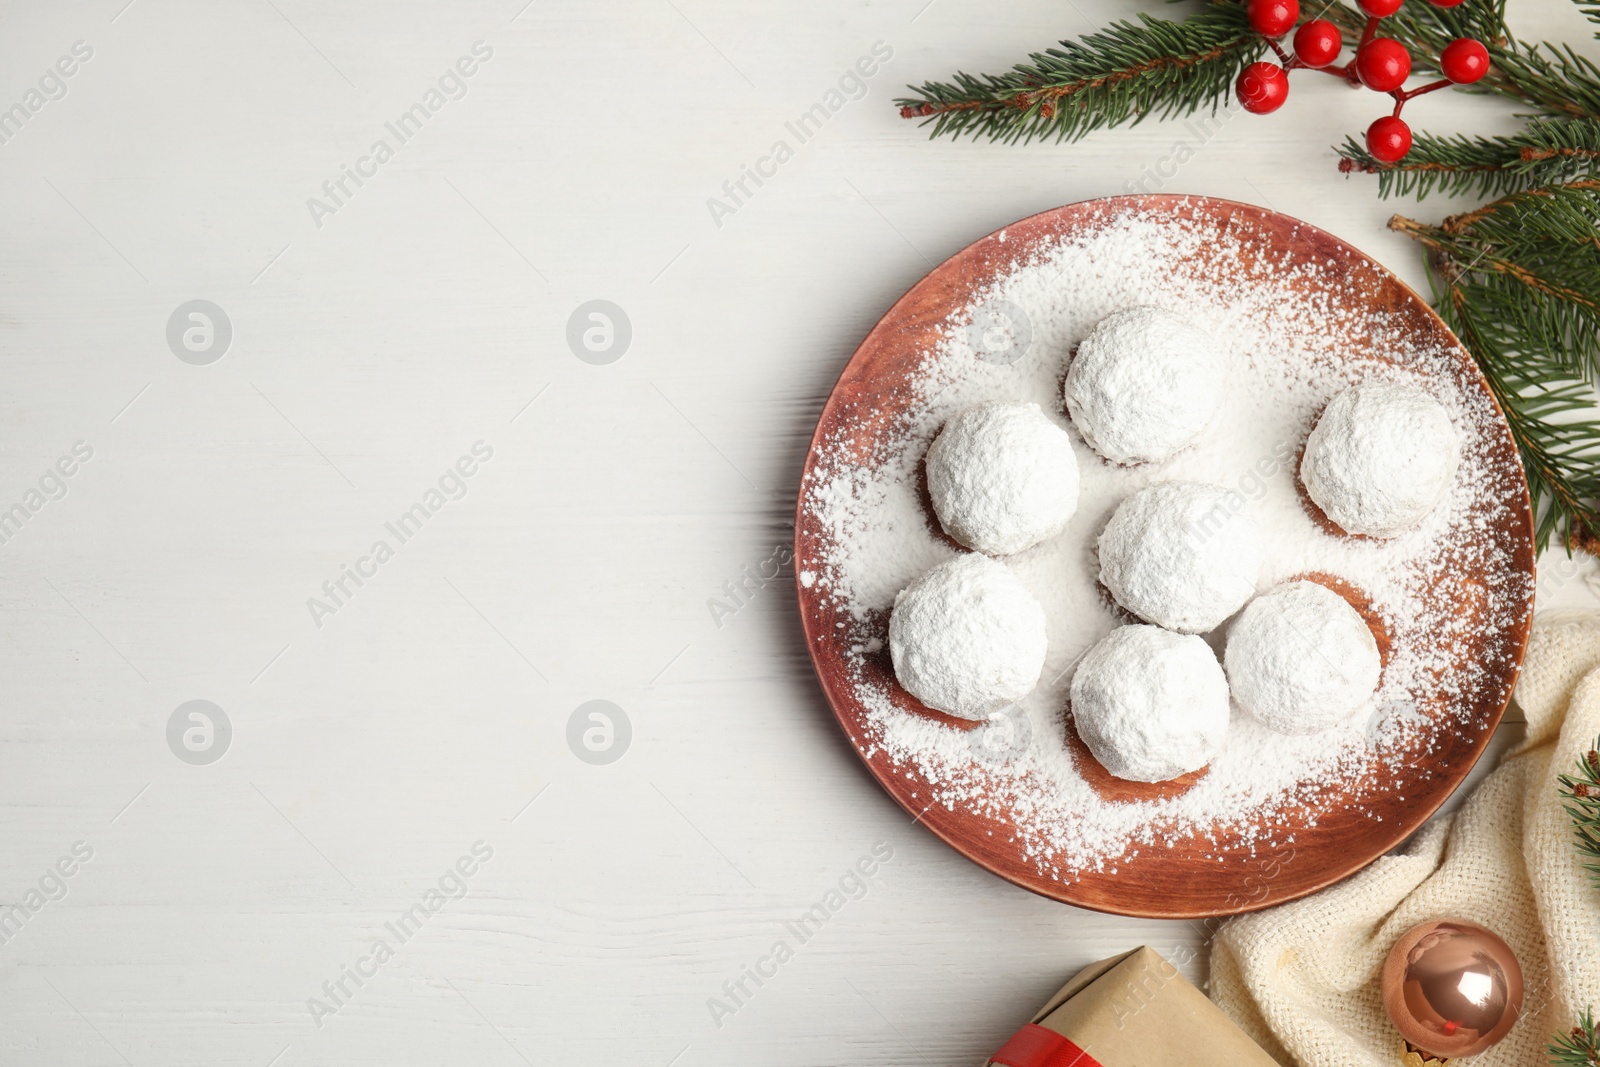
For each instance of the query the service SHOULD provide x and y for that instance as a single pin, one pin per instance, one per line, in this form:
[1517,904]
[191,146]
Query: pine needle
[1518,280]
[1579,1047]
[1545,152]
[1590,11]
[1126,73]
[1582,792]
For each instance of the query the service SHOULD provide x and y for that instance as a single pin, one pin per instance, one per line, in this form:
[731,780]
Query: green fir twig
[1545,152]
[1582,794]
[1518,280]
[1579,1047]
[1126,73]
[1555,80]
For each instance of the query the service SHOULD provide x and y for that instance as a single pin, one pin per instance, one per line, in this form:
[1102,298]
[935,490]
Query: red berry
[1383,64]
[1381,9]
[1273,18]
[1263,87]
[1389,139]
[1317,43]
[1464,60]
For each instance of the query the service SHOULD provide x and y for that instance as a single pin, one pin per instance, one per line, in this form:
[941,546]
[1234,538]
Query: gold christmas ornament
[1452,989]
[1410,1057]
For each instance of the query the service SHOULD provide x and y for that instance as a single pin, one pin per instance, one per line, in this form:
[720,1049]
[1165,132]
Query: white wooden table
[383,730]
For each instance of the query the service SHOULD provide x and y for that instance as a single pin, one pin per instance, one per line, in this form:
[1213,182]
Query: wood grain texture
[407,326]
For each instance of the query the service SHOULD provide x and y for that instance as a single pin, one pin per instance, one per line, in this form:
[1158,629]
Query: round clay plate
[1232,865]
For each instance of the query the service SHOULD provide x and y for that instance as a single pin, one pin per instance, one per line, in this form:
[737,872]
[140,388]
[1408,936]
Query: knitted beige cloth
[1302,979]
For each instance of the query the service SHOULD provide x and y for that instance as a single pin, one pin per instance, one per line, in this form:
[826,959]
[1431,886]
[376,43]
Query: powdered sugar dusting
[1291,337]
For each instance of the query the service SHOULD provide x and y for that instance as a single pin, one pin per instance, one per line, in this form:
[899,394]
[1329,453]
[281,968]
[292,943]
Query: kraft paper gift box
[1133,1010]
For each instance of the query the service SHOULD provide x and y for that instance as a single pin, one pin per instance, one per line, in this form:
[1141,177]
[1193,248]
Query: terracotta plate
[1188,877]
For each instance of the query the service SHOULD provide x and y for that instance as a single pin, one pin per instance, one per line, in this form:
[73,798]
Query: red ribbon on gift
[1035,1046]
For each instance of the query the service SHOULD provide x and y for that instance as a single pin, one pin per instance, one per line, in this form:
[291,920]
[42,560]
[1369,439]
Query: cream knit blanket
[1302,979]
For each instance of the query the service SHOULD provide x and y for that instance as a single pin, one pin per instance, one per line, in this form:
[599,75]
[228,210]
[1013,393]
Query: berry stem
[1347,72]
[1370,31]
[1407,94]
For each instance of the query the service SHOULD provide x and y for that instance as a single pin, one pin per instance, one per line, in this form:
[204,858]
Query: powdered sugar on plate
[1292,336]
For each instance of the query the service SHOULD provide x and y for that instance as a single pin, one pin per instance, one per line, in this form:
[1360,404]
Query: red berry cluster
[1380,64]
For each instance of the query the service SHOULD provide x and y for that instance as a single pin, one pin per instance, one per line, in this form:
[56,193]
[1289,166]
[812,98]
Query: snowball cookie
[967,637]
[1003,477]
[1144,385]
[1301,659]
[1181,555]
[1380,457]
[1150,704]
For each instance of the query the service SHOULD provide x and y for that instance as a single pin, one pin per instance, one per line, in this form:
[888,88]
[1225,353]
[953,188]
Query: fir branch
[1558,448]
[1538,257]
[1546,152]
[1582,791]
[1556,81]
[1579,1047]
[1518,280]
[1127,72]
